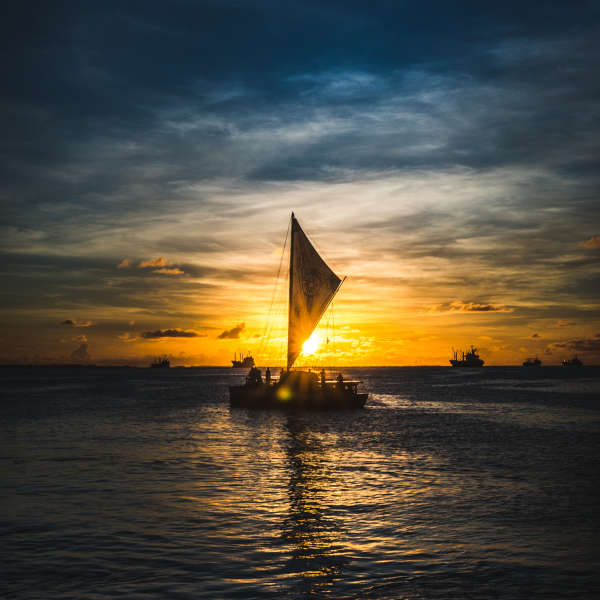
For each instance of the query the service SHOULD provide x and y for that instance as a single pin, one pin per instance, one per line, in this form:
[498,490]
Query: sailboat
[312,287]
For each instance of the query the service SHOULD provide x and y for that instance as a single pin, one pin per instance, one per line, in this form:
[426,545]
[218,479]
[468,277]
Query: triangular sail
[312,287]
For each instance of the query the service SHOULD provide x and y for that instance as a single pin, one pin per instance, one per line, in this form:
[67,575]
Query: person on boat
[323,377]
[340,381]
[254,376]
[268,375]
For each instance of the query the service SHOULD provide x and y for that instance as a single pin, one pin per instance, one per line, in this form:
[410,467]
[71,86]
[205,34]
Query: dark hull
[263,396]
[242,364]
[467,363]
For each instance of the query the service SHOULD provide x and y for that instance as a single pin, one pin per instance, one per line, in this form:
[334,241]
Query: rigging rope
[268,324]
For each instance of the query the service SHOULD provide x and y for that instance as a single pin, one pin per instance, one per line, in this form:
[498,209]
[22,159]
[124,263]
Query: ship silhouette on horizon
[470,358]
[160,362]
[247,362]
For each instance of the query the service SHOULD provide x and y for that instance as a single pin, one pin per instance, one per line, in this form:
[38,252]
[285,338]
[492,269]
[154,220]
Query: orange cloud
[593,242]
[161,261]
[127,337]
[124,264]
[561,323]
[174,271]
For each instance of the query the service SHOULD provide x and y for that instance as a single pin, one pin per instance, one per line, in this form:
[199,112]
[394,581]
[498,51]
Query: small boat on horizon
[532,362]
[470,358]
[312,287]
[574,362]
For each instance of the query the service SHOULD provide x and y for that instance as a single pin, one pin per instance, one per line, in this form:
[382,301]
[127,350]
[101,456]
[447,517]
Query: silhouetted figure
[323,377]
[268,375]
[340,381]
[254,376]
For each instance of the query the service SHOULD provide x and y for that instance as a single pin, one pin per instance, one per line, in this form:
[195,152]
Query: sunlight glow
[311,345]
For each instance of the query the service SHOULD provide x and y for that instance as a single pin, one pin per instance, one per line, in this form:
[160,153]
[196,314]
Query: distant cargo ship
[532,362]
[467,359]
[574,362]
[247,362]
[160,362]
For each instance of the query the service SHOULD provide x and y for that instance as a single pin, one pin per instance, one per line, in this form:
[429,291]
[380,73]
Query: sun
[311,345]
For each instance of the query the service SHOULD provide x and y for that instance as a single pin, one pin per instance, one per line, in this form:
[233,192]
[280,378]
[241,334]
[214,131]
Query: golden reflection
[310,528]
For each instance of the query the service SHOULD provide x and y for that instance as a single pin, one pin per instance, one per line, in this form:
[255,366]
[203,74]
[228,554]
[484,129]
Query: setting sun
[311,345]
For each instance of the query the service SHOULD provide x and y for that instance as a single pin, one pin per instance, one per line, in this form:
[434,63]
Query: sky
[441,155]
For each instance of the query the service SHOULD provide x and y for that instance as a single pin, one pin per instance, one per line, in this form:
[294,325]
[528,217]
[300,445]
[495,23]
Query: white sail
[312,287]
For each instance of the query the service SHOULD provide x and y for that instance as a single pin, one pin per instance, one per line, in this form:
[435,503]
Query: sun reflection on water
[310,527]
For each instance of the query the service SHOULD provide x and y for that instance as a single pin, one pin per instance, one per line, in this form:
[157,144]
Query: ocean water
[140,483]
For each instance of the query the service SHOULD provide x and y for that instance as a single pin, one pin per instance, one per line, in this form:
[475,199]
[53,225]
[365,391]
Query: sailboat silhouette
[312,287]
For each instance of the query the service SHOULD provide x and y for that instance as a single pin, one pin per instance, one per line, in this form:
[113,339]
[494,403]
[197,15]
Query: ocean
[142,483]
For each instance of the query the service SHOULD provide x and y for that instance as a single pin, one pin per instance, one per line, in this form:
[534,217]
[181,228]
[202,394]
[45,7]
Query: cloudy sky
[442,155]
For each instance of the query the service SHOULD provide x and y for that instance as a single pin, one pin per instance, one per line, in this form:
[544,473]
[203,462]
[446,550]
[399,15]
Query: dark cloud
[469,307]
[535,335]
[74,323]
[174,333]
[475,307]
[581,344]
[232,334]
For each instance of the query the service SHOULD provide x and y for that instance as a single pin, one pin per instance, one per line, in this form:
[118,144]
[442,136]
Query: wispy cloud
[75,323]
[161,261]
[165,267]
[127,337]
[588,344]
[172,333]
[172,271]
[469,307]
[81,354]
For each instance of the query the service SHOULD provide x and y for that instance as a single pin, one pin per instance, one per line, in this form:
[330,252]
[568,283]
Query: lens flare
[284,393]
[311,345]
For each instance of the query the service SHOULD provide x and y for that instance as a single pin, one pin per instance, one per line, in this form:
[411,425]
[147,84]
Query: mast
[291,278]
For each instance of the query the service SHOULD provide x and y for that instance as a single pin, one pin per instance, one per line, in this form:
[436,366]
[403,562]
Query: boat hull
[265,396]
[467,363]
